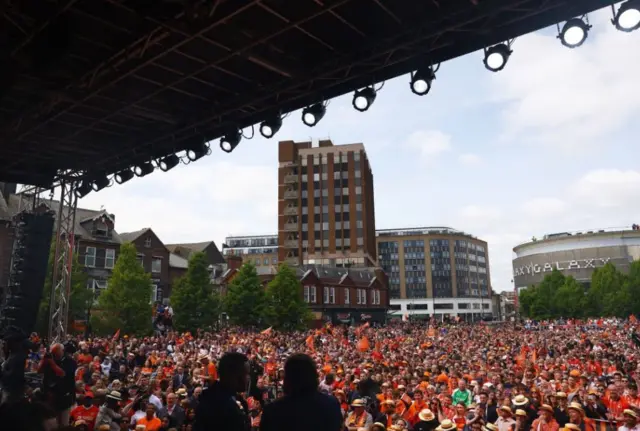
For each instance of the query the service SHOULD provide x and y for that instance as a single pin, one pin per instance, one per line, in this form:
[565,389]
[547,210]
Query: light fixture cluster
[141,169]
[573,33]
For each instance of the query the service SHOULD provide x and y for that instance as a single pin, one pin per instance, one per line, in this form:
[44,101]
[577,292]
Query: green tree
[526,298]
[605,296]
[286,307]
[195,304]
[80,297]
[569,299]
[632,286]
[126,303]
[245,301]
[544,307]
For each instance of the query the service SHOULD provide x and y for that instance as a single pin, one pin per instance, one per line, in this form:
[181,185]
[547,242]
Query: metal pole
[62,263]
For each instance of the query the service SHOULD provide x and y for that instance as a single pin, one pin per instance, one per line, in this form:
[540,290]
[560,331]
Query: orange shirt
[153,424]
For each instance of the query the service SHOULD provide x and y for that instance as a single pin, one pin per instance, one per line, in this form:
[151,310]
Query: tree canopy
[195,304]
[286,307]
[245,301]
[611,293]
[126,302]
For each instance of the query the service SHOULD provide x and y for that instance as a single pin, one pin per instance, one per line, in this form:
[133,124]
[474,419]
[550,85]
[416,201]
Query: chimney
[234,262]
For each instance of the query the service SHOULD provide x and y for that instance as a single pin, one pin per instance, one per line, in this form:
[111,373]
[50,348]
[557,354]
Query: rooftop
[433,230]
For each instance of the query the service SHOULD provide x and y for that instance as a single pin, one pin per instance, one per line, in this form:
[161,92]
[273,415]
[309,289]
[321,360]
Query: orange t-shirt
[153,424]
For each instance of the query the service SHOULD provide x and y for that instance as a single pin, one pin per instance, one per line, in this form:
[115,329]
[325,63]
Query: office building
[261,250]
[436,270]
[325,205]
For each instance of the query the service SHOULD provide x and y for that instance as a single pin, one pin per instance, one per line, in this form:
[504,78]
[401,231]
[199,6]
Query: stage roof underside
[93,86]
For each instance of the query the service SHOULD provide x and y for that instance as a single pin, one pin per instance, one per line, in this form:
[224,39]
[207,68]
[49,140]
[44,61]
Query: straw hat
[546,408]
[490,427]
[631,413]
[520,412]
[357,403]
[115,395]
[571,427]
[426,415]
[577,407]
[506,410]
[447,425]
[389,403]
[561,395]
[520,400]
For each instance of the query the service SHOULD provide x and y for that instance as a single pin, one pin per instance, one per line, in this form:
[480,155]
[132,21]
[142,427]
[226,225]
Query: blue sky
[548,144]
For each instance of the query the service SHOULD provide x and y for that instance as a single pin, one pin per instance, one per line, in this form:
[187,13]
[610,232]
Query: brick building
[325,205]
[337,295]
[153,255]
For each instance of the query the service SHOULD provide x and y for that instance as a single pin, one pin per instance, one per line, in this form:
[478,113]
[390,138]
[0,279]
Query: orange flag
[267,331]
[363,344]
[309,342]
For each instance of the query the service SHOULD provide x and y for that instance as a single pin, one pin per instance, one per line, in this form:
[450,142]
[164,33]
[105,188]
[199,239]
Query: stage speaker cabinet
[30,258]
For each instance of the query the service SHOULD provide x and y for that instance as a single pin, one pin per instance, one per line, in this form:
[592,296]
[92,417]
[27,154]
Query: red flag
[116,335]
[310,344]
[363,344]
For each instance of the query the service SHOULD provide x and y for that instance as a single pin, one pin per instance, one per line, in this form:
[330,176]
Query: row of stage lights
[572,35]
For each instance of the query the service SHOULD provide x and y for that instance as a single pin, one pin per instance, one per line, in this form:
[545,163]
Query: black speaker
[29,260]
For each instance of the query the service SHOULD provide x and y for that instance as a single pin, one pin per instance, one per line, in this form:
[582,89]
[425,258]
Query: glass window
[257,262]
[347,294]
[147,242]
[156,265]
[90,257]
[274,260]
[266,261]
[109,258]
[155,293]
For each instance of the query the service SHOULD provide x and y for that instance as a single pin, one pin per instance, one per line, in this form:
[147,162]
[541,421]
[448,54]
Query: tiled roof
[195,246]
[132,236]
[15,205]
[176,261]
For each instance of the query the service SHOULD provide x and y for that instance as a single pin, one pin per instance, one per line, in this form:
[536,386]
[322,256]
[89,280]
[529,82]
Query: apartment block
[325,205]
[261,250]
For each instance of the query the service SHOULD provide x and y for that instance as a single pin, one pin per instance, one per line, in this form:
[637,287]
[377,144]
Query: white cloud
[568,98]
[429,143]
[544,207]
[470,159]
[609,187]
[199,202]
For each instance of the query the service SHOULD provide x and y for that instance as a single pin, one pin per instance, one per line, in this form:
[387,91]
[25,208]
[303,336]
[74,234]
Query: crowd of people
[404,376]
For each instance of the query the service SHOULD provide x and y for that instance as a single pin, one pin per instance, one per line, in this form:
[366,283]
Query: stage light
[123,176]
[363,99]
[270,127]
[496,57]
[169,162]
[628,17]
[311,115]
[197,151]
[143,169]
[421,81]
[100,183]
[230,141]
[83,189]
[574,33]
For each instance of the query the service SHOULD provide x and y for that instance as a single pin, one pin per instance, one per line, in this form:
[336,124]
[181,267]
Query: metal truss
[63,261]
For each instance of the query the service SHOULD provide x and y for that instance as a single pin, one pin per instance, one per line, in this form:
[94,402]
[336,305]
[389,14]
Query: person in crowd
[174,411]
[221,406]
[86,411]
[545,421]
[149,421]
[359,417]
[303,405]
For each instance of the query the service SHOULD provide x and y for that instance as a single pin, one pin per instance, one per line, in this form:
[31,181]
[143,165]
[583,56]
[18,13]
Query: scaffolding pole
[63,261]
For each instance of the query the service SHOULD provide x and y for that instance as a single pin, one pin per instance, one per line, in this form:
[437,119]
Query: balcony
[291,179]
[291,211]
[291,194]
[291,243]
[291,227]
